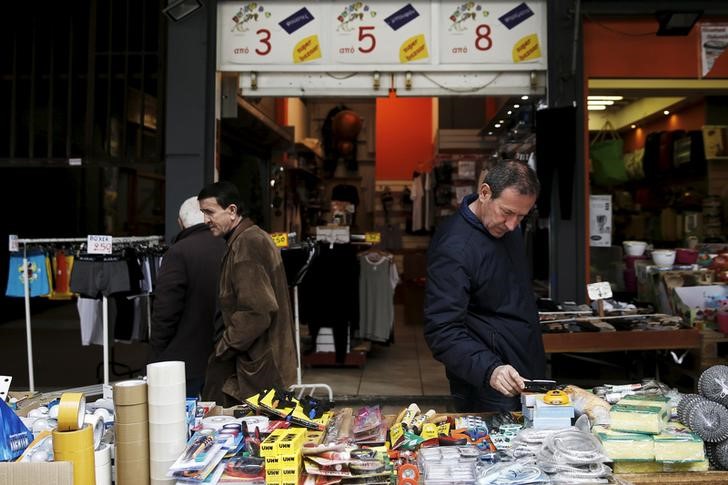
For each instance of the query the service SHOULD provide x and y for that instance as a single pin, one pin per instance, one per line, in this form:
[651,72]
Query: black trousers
[472,399]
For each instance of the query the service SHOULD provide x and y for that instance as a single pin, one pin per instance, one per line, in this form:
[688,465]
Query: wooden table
[682,478]
[590,342]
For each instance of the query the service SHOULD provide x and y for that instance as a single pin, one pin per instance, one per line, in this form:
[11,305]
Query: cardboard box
[53,473]
[697,305]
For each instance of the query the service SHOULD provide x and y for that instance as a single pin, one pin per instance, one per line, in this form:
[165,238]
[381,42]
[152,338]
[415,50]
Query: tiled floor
[404,368]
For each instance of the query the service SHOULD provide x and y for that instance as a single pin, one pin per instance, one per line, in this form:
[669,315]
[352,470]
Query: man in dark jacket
[185,297]
[480,311]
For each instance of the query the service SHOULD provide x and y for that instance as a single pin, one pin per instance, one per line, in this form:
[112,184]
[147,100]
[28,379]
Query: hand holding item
[506,380]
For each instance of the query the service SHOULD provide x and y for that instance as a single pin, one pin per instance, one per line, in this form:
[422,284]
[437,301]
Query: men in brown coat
[257,348]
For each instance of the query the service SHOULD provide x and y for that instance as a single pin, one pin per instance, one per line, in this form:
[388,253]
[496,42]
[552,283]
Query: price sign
[497,32]
[368,32]
[599,291]
[373,237]
[269,33]
[99,244]
[13,243]
[280,239]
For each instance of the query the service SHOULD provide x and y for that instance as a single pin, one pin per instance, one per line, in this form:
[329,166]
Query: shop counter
[589,342]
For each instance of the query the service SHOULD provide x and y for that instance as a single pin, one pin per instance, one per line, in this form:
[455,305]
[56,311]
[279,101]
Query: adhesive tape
[102,460]
[71,411]
[166,373]
[102,455]
[104,414]
[76,447]
[217,422]
[37,413]
[252,422]
[410,472]
[98,428]
[135,413]
[127,393]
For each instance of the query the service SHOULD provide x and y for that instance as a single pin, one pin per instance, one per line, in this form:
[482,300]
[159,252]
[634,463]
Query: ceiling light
[633,126]
[490,132]
[497,125]
[177,10]
[524,97]
[509,113]
[596,107]
[666,112]
[677,23]
[607,98]
[516,106]
[501,121]
[605,102]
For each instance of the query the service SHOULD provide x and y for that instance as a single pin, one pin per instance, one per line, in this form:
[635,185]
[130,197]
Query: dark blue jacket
[480,310]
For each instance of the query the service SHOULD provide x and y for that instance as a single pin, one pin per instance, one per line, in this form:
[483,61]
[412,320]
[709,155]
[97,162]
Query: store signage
[599,291]
[600,220]
[713,42]
[13,243]
[373,237]
[99,244]
[418,35]
[280,239]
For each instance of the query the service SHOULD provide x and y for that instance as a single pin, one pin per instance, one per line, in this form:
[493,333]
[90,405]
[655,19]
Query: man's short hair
[514,174]
[225,194]
[190,213]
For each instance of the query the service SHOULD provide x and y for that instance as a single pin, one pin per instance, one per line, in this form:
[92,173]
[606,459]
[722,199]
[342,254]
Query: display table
[682,478]
[590,342]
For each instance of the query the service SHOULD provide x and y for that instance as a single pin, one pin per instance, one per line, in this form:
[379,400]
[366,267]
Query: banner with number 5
[269,32]
[380,32]
[492,32]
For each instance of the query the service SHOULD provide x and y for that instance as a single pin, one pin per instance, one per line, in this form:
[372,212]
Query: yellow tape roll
[78,448]
[71,411]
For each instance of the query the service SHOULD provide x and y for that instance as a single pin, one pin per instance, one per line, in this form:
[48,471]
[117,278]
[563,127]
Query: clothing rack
[105,303]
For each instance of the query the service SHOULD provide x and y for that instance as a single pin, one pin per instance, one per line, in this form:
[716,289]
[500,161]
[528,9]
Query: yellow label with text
[280,239]
[429,431]
[526,49]
[396,434]
[373,237]
[307,49]
[444,428]
[413,49]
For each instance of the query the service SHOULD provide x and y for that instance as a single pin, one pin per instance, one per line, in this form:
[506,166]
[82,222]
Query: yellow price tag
[280,239]
[396,435]
[429,431]
[373,237]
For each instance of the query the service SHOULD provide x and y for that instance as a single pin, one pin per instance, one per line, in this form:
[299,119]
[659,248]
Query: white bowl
[634,248]
[663,258]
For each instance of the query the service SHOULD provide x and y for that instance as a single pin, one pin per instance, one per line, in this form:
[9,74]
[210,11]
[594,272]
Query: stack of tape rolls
[102,458]
[167,417]
[132,433]
[73,440]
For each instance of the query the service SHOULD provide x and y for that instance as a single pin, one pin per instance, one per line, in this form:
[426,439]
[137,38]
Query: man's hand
[506,380]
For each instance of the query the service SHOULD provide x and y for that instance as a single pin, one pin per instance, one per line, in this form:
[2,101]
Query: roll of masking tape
[102,459]
[136,413]
[97,424]
[166,373]
[253,422]
[78,448]
[217,422]
[71,410]
[128,393]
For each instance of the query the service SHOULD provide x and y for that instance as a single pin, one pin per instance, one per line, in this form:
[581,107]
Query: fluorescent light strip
[605,102]
[596,107]
[606,98]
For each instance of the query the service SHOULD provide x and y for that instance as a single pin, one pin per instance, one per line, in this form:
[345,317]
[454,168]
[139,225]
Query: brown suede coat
[254,302]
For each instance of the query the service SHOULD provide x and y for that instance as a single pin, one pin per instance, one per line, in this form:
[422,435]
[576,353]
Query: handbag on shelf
[607,158]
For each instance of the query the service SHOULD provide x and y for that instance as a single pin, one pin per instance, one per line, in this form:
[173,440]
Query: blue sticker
[296,21]
[516,16]
[402,16]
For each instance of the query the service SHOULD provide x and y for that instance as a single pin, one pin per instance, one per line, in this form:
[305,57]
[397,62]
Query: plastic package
[677,444]
[509,473]
[574,456]
[626,446]
[587,403]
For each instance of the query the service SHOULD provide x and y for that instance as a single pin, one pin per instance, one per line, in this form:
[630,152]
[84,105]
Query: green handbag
[607,157]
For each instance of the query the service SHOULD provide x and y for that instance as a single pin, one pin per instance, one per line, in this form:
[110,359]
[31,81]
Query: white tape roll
[53,411]
[167,413]
[158,469]
[38,412]
[252,422]
[104,414]
[165,451]
[166,373]
[168,432]
[97,423]
[157,481]
[102,457]
[217,422]
[162,395]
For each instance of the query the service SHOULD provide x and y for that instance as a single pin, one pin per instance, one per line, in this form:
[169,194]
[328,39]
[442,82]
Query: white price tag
[13,243]
[99,244]
[599,291]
